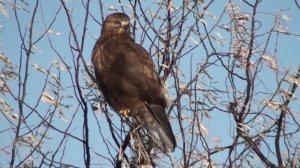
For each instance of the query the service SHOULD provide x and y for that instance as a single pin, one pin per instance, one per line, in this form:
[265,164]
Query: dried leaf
[215,139]
[47,98]
[2,102]
[184,117]
[270,62]
[203,129]
[244,65]
[4,87]
[67,106]
[243,126]
[194,41]
[287,94]
[96,107]
[13,116]
[210,15]
[225,27]
[285,17]
[54,32]
[60,65]
[4,59]
[295,80]
[272,104]
[61,115]
[67,96]
[202,21]
[242,17]
[164,66]
[219,35]
[30,139]
[171,6]
[205,113]
[281,29]
[112,8]
[210,163]
[92,84]
[54,76]
[219,38]
[3,11]
[39,68]
[9,74]
[7,108]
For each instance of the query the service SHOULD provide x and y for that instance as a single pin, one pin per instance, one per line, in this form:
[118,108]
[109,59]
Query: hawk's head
[116,24]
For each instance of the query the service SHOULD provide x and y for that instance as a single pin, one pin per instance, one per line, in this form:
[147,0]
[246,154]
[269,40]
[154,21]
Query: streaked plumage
[127,77]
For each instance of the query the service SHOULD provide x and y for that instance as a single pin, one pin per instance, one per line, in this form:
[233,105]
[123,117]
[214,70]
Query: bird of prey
[129,82]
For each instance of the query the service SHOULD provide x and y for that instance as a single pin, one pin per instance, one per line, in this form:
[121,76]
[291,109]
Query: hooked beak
[125,26]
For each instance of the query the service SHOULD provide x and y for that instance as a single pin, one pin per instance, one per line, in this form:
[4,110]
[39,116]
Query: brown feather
[127,77]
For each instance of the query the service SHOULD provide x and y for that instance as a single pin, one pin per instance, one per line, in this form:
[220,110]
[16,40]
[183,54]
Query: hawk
[129,82]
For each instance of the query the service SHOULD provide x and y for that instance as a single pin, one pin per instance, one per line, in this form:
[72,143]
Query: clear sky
[218,125]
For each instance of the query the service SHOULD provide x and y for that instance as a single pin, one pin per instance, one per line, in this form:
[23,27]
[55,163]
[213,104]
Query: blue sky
[218,124]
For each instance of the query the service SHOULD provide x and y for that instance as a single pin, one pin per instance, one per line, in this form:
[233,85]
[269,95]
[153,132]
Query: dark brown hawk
[130,84]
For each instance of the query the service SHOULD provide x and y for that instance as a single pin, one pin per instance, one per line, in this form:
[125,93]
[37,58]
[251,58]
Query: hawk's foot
[125,112]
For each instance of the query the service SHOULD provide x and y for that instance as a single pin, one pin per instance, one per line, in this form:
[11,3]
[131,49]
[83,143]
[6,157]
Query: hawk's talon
[125,112]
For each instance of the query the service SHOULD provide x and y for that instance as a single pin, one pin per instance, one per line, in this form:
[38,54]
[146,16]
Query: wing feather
[128,79]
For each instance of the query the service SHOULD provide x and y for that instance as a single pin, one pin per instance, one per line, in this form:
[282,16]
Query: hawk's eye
[117,23]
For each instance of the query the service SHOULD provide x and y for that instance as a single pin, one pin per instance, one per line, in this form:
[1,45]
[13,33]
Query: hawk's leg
[125,112]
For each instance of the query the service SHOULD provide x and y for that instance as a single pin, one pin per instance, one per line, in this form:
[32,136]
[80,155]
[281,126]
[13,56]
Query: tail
[157,123]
